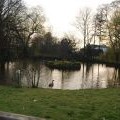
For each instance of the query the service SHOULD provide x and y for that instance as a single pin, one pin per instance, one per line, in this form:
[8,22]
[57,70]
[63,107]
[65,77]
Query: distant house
[103,48]
[92,50]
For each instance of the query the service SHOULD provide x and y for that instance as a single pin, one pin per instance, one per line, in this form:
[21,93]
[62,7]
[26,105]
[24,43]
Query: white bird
[51,84]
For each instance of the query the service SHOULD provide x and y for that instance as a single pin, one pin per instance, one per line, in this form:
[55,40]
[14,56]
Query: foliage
[22,32]
[48,45]
[67,47]
[115,34]
[64,65]
[107,28]
[18,25]
[10,27]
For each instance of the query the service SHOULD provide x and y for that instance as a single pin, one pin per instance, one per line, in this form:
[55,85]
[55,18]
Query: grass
[94,104]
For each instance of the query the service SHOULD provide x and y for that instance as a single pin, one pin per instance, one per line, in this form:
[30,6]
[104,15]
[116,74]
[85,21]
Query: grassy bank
[62,105]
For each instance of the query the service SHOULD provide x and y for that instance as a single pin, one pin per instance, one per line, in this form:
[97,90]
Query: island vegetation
[63,65]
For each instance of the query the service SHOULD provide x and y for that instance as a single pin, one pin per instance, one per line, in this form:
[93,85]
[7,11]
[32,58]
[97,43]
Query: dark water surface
[89,76]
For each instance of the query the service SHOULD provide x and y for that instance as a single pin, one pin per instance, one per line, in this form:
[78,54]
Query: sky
[61,14]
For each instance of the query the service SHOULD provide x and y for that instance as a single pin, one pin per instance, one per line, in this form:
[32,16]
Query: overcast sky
[61,13]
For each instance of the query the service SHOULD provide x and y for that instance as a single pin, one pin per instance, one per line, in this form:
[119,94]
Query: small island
[63,65]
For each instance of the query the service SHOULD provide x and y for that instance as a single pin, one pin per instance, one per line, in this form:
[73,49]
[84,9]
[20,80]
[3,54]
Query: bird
[51,84]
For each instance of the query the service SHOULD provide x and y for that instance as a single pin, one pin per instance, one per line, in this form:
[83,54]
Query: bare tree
[100,19]
[83,24]
[35,19]
[32,74]
[10,11]
[108,26]
[111,24]
[114,29]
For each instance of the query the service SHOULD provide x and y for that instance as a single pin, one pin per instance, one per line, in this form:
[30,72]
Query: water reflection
[36,74]
[115,80]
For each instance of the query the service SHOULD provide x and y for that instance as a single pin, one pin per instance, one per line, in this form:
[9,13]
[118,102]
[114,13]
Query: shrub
[63,65]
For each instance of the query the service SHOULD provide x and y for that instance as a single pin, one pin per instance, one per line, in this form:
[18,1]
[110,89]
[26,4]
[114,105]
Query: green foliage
[48,45]
[63,65]
[62,104]
[67,47]
[110,56]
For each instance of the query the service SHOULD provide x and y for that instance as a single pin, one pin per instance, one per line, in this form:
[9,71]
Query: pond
[32,74]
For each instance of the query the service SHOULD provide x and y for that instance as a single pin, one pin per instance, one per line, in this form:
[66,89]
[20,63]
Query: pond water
[36,73]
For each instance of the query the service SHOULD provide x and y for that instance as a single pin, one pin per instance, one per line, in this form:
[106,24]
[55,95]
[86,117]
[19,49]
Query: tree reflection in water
[115,80]
[29,74]
[36,74]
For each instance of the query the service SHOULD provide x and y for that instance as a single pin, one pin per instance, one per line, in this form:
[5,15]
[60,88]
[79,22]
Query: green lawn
[96,104]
